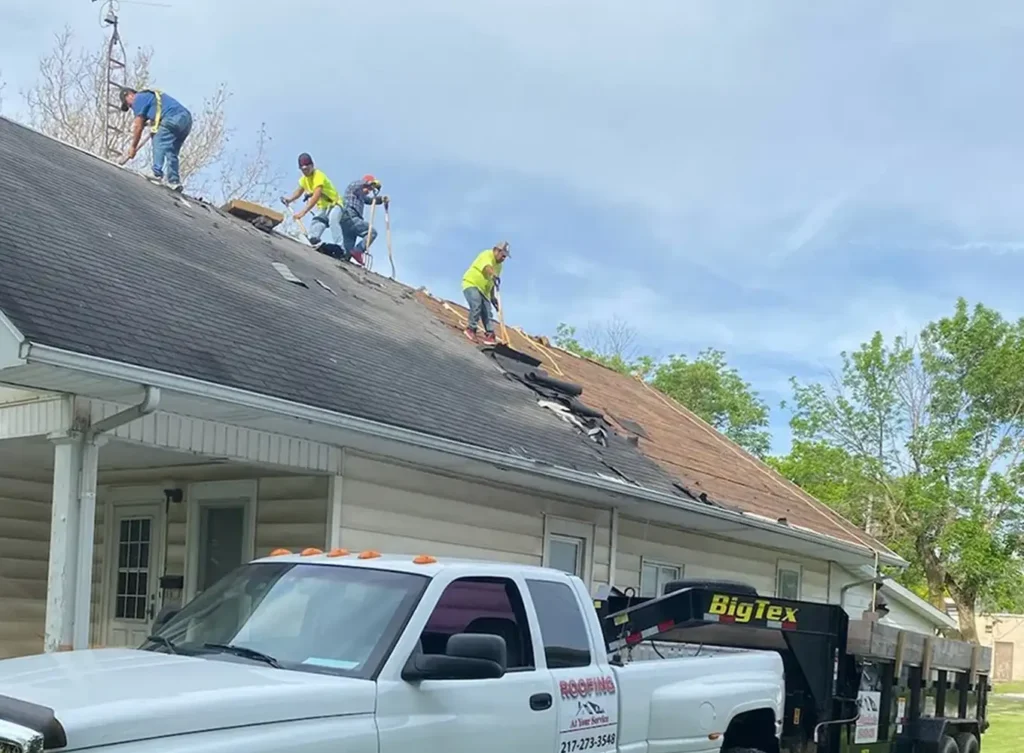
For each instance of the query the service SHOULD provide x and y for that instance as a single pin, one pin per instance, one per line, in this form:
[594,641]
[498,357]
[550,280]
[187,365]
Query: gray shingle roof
[96,260]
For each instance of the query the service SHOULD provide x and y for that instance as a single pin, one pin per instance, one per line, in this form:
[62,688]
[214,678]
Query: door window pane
[131,598]
[565,637]
[221,542]
[565,553]
[481,605]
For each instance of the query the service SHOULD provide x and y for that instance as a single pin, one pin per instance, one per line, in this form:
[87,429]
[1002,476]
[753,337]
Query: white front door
[133,589]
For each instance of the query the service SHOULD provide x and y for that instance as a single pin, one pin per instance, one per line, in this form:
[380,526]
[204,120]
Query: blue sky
[776,179]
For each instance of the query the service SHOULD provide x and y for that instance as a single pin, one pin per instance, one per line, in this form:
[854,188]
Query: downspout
[91,443]
[876,581]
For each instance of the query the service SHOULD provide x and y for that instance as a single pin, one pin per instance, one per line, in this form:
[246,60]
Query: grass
[1006,715]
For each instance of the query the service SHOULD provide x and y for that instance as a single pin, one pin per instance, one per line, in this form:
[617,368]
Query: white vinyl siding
[395,508]
[24,557]
[291,512]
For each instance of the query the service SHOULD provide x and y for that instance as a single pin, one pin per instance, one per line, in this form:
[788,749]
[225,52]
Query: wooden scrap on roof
[251,212]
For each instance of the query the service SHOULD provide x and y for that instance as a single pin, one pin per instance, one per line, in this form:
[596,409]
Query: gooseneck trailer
[852,686]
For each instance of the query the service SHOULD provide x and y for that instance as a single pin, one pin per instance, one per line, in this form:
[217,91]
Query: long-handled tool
[387,225]
[501,316]
[302,228]
[367,256]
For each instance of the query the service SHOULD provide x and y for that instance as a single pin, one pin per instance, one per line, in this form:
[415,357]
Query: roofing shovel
[367,256]
[387,225]
[501,316]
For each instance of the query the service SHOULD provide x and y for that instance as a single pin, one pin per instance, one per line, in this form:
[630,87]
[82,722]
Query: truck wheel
[966,742]
[947,745]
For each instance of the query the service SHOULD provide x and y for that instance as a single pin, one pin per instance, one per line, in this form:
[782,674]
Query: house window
[565,553]
[654,576]
[787,580]
[569,546]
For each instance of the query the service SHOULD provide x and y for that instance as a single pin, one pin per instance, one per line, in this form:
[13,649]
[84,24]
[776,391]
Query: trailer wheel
[966,742]
[947,745]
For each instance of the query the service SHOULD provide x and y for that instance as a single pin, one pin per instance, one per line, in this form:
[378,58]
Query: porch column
[64,534]
[86,540]
[334,507]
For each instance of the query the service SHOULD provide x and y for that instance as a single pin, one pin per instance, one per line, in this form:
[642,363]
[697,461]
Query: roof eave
[762,532]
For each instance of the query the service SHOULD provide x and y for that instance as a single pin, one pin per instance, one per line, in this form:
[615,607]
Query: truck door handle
[540,701]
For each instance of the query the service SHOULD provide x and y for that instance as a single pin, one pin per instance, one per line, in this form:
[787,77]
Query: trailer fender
[932,735]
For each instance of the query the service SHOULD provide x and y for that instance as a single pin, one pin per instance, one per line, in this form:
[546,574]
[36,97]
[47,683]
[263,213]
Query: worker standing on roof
[358,194]
[170,123]
[321,195]
[479,284]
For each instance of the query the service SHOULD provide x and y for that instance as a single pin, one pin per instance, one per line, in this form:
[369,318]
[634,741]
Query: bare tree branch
[69,101]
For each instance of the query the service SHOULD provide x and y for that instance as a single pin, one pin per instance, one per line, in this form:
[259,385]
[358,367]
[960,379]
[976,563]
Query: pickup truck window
[562,629]
[306,617]
[481,605]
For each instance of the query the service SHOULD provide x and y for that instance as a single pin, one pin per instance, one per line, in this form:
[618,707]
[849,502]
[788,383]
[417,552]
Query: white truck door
[586,695]
[510,714]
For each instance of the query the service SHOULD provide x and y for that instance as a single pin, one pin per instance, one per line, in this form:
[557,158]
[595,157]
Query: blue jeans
[353,226]
[167,143]
[323,218]
[479,310]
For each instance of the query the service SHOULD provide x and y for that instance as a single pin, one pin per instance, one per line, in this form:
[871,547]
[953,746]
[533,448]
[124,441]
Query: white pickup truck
[364,653]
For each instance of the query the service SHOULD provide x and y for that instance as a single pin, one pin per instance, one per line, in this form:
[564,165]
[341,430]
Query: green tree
[707,385]
[925,440]
[716,392]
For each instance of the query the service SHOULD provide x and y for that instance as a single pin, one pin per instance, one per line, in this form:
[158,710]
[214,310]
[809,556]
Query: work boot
[490,339]
[470,334]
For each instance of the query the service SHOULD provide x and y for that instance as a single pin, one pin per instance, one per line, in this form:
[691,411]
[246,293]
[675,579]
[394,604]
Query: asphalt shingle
[98,261]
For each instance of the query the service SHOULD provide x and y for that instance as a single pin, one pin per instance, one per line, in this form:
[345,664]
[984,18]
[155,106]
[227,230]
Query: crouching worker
[479,285]
[170,123]
[322,196]
[358,194]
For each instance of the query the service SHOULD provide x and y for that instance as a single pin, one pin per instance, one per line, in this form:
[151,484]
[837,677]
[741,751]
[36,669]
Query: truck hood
[108,696]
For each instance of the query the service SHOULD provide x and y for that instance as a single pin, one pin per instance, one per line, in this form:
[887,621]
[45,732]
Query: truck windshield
[306,617]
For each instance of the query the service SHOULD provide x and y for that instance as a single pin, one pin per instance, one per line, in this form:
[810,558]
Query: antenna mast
[116,72]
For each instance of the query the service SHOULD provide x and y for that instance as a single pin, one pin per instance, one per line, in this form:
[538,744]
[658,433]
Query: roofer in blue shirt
[353,226]
[170,123]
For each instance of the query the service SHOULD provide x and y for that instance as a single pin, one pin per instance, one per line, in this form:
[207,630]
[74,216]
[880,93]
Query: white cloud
[794,175]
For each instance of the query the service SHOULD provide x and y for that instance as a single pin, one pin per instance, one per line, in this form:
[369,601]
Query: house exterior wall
[291,511]
[1004,633]
[24,552]
[395,508]
[905,618]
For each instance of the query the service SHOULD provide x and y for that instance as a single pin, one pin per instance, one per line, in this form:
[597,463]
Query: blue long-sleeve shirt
[355,199]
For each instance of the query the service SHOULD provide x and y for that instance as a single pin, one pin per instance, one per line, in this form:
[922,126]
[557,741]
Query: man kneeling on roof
[479,285]
[354,227]
[320,194]
[170,124]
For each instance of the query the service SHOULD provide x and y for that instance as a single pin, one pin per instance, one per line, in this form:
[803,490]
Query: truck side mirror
[469,656]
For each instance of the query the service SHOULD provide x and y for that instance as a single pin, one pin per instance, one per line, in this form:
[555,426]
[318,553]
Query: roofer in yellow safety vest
[321,194]
[170,123]
[479,285]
